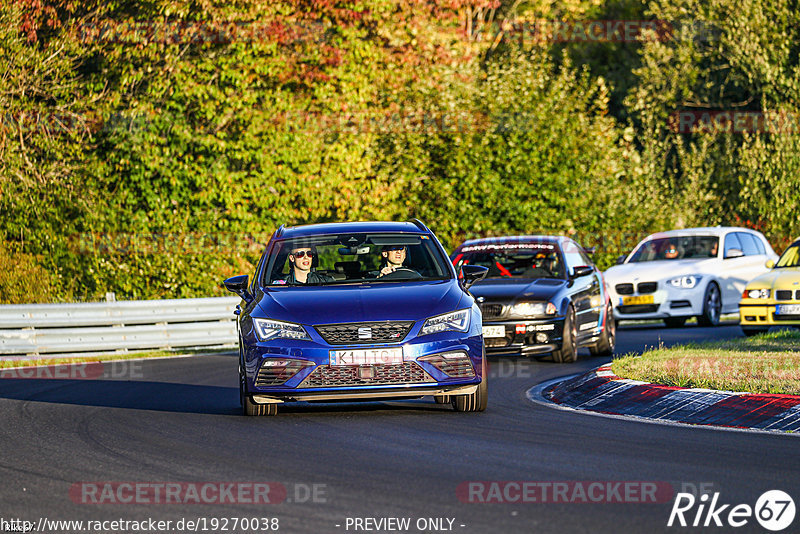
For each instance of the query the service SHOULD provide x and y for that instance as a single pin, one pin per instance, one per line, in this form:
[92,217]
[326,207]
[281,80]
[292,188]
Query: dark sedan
[542,295]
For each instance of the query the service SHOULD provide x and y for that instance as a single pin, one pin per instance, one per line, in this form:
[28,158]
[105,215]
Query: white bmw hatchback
[695,272]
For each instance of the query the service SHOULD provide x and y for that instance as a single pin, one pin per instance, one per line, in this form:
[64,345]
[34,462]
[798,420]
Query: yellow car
[773,299]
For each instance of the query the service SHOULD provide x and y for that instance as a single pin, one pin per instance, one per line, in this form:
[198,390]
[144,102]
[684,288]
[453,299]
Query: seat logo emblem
[365,332]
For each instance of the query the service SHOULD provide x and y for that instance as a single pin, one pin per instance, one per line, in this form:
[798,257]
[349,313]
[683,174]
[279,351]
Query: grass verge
[767,363]
[12,364]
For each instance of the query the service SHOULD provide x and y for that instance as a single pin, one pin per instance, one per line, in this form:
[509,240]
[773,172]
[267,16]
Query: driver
[393,257]
[301,259]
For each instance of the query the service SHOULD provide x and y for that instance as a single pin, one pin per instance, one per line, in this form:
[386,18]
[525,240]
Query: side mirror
[621,260]
[238,285]
[770,264]
[733,253]
[473,273]
[590,250]
[582,270]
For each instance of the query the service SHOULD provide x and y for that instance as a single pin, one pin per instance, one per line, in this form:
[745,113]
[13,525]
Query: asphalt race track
[176,421]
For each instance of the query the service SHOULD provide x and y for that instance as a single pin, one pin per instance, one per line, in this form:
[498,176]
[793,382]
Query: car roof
[308,230]
[706,230]
[519,239]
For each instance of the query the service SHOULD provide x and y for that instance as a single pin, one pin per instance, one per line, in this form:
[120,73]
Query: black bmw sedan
[542,295]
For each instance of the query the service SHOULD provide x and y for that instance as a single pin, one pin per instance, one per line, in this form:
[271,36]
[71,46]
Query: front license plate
[494,331]
[389,355]
[641,299]
[787,309]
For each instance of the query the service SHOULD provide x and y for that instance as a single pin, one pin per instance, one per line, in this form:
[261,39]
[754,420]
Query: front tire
[474,402]
[569,349]
[712,306]
[608,339]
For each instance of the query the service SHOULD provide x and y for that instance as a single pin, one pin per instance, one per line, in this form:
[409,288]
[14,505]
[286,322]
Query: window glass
[514,260]
[732,242]
[676,248]
[790,257]
[748,243]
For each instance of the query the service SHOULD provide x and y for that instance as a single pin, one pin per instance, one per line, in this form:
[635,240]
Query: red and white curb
[600,390]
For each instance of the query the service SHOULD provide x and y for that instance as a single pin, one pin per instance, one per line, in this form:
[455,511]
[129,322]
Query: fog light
[277,371]
[541,337]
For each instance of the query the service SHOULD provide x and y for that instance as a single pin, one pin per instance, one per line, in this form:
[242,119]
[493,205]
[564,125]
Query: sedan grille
[353,375]
[624,289]
[361,333]
[785,294]
[647,287]
[491,311]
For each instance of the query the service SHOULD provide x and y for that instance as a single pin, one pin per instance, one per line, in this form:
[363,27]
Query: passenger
[301,259]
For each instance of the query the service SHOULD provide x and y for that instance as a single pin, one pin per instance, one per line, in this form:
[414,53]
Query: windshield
[354,258]
[790,257]
[540,260]
[677,248]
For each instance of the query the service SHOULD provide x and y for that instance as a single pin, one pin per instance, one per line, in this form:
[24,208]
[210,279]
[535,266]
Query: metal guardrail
[64,330]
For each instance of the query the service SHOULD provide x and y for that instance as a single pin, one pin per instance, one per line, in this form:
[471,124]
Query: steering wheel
[402,273]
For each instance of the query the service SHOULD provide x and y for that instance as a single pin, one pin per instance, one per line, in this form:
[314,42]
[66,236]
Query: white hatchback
[680,274]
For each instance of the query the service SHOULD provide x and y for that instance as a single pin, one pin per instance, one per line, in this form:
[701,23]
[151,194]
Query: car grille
[786,294]
[638,308]
[624,289]
[348,375]
[491,311]
[647,287]
[360,333]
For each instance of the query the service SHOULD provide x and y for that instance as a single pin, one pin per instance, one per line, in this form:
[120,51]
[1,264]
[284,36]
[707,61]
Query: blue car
[358,311]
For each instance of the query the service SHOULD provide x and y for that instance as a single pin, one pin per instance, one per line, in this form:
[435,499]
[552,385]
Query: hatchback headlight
[532,309]
[757,293]
[457,321]
[685,282]
[267,329]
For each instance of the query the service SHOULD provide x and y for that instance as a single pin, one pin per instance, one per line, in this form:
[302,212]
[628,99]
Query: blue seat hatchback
[358,311]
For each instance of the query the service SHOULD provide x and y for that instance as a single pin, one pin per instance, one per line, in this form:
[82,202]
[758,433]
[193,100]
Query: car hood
[517,289]
[783,278]
[357,303]
[658,270]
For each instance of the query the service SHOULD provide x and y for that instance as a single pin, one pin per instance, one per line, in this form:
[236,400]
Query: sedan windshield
[354,258]
[790,257]
[676,248]
[540,260]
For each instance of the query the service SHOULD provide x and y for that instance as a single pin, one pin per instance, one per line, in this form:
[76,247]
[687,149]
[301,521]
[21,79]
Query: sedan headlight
[685,282]
[457,321]
[267,329]
[532,309]
[757,293]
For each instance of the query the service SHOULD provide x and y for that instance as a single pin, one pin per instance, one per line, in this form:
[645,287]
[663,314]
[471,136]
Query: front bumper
[665,302]
[520,336]
[766,313]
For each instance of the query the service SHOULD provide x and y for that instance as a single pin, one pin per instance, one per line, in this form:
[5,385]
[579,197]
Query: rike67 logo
[774,510]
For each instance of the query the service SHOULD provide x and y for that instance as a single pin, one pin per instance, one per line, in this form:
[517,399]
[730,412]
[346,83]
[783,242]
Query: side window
[748,243]
[759,244]
[731,242]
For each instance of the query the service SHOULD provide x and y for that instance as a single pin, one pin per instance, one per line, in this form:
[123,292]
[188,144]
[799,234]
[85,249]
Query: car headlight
[757,293]
[685,282]
[267,329]
[532,309]
[456,321]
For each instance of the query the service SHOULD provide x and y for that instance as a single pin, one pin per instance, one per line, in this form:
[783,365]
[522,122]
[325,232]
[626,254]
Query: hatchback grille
[349,375]
[624,289]
[360,333]
[492,311]
[647,287]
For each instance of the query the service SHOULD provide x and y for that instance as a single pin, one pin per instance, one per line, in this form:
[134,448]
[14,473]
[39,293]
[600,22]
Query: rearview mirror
[770,264]
[621,260]
[733,253]
[473,273]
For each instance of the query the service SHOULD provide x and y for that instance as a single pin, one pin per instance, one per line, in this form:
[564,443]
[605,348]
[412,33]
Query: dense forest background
[150,148]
